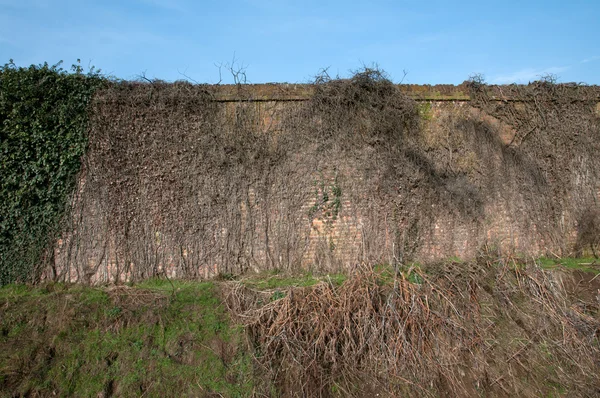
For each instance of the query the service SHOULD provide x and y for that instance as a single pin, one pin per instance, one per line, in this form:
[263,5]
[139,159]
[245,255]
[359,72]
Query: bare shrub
[461,330]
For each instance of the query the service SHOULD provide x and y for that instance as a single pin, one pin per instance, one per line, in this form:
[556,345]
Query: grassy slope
[155,339]
[150,340]
[586,264]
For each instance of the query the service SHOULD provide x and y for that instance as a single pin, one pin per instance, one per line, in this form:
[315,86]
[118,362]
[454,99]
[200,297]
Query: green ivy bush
[43,135]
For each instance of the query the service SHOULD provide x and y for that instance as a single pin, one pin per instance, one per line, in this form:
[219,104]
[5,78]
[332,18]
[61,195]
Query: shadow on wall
[588,232]
[176,183]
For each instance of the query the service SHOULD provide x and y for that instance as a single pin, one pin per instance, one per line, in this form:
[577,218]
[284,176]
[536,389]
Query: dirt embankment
[496,327]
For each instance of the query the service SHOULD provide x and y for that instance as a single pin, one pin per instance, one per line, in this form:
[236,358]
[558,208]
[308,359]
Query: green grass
[425,111]
[411,272]
[149,340]
[156,338]
[275,280]
[586,264]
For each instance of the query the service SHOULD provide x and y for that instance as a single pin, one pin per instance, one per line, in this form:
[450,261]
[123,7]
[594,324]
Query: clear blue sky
[434,41]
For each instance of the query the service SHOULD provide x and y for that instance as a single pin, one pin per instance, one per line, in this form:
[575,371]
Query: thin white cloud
[527,75]
[590,59]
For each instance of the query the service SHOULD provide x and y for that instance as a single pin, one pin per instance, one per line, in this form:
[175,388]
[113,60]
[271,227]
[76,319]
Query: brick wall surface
[295,228]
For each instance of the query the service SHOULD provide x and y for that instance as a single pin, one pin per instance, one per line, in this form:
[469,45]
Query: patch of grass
[557,390]
[124,341]
[166,285]
[336,279]
[585,264]
[455,259]
[411,272]
[14,290]
[425,111]
[275,280]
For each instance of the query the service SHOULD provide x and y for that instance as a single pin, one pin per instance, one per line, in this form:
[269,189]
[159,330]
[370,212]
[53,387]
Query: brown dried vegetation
[557,138]
[491,328]
[177,182]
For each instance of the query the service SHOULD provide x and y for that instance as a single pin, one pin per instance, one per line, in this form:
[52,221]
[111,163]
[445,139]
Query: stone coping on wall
[303,92]
[425,92]
[282,92]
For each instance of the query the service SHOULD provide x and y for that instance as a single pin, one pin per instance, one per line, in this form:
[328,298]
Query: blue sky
[434,41]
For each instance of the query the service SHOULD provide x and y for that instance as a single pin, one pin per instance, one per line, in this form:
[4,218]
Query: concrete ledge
[439,92]
[283,92]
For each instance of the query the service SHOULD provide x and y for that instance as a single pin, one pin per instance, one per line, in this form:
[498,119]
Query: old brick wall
[309,211]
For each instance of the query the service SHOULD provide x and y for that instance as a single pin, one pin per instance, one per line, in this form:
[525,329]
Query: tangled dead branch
[498,329]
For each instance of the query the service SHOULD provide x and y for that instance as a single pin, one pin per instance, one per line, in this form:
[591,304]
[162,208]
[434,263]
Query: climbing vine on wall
[43,134]
[557,131]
